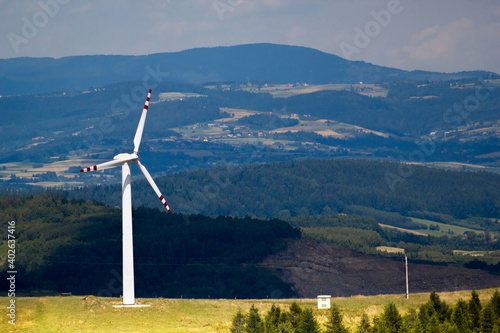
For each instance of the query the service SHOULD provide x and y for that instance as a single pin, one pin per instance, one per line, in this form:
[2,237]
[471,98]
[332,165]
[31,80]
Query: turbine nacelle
[126,157]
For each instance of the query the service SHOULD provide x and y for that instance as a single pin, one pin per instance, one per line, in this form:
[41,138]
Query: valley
[286,183]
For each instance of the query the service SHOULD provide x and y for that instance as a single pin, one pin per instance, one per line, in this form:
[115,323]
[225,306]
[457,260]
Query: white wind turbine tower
[124,160]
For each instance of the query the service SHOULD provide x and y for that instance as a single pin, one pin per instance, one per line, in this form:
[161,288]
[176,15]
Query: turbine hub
[126,157]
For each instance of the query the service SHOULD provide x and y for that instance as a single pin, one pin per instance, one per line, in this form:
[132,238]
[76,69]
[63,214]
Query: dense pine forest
[71,245]
[323,186]
[75,246]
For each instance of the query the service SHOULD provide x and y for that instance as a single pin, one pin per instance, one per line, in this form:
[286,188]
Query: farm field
[61,177]
[221,128]
[96,314]
[288,90]
[443,228]
[390,249]
[236,114]
[322,127]
[172,96]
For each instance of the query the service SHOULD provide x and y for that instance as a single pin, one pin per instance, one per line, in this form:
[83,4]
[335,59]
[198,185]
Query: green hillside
[323,186]
[262,62]
[75,246]
[47,138]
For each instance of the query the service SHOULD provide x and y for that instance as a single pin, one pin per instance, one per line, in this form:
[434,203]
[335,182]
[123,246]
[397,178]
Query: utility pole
[406,266]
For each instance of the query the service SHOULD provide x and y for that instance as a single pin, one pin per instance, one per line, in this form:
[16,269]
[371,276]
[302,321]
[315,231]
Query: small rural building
[324,301]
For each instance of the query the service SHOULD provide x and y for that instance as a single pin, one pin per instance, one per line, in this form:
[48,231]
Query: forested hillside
[75,246]
[415,122]
[320,186]
[261,62]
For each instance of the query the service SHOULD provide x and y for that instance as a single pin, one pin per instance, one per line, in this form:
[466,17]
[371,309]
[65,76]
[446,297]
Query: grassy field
[94,314]
[285,90]
[443,228]
[390,249]
[172,96]
[236,114]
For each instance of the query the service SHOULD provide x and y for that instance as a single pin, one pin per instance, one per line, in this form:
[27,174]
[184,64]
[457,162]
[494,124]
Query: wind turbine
[124,160]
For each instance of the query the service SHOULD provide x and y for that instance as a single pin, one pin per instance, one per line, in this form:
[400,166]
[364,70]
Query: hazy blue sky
[436,35]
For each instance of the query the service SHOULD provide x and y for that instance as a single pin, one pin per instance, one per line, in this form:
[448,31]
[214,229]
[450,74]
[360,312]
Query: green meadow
[96,314]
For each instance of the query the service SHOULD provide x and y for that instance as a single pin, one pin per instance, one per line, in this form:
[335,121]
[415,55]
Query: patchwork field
[62,177]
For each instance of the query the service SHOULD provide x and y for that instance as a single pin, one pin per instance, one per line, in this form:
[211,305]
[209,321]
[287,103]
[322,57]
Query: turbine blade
[153,185]
[140,127]
[105,165]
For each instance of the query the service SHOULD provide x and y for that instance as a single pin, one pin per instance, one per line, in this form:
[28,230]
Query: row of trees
[277,320]
[432,317]
[438,316]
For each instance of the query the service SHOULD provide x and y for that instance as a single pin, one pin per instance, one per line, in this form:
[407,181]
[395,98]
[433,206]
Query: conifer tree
[238,325]
[254,322]
[410,322]
[286,327]
[433,325]
[295,315]
[495,303]
[440,307]
[308,323]
[487,319]
[273,319]
[334,324]
[426,311]
[474,307]
[392,320]
[364,326]
[460,317]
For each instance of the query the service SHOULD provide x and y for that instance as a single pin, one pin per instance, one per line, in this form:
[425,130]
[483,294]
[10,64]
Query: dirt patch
[401,229]
[316,269]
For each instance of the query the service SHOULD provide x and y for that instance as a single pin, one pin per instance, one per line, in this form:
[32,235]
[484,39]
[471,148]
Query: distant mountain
[255,62]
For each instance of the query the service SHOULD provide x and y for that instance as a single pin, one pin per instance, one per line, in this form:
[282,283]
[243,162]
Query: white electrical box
[324,301]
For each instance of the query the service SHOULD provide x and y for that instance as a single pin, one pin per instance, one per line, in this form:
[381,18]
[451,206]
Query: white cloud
[459,45]
[446,35]
[439,42]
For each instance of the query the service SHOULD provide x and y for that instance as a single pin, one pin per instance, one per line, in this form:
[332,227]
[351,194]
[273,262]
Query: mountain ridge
[245,62]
